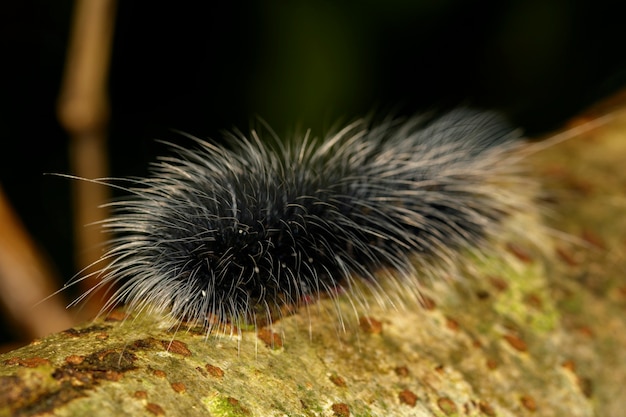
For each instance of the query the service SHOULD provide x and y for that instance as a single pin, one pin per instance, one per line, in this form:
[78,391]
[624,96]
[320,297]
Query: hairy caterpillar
[234,234]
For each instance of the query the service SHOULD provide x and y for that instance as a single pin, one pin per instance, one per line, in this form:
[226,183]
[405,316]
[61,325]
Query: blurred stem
[84,112]
[26,279]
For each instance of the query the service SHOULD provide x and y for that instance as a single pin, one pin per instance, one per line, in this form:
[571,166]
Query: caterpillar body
[234,234]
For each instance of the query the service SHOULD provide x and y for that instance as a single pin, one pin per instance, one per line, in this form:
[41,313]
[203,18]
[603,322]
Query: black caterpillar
[235,234]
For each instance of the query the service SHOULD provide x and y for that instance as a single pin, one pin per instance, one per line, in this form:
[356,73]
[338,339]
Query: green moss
[526,300]
[221,406]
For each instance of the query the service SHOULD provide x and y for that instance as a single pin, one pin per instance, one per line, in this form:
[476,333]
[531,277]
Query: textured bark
[532,331]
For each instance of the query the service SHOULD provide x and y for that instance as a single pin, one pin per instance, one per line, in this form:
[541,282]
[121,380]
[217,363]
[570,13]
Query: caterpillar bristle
[240,234]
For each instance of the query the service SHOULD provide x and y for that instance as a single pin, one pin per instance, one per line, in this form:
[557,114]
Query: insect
[234,234]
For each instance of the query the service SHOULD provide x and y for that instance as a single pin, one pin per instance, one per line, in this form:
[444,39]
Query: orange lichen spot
[340,410]
[593,238]
[569,365]
[519,252]
[159,373]
[140,395]
[370,325]
[74,359]
[337,380]
[534,300]
[428,303]
[27,362]
[528,403]
[272,340]
[486,409]
[155,409]
[566,256]
[579,185]
[114,376]
[515,342]
[491,363]
[176,346]
[452,324]
[586,331]
[499,283]
[408,397]
[402,371]
[214,371]
[237,407]
[446,405]
[179,387]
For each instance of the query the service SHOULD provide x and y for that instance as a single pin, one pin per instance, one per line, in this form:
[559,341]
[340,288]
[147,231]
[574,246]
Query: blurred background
[201,68]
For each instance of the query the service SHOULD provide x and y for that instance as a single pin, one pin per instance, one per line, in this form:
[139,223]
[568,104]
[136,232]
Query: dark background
[201,68]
